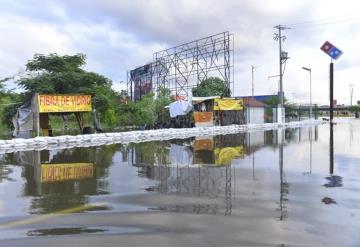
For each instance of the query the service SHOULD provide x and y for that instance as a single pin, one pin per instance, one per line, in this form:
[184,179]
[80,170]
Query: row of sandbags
[61,142]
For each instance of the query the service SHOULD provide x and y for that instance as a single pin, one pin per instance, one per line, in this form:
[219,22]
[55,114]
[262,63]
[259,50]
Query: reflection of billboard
[141,78]
[63,172]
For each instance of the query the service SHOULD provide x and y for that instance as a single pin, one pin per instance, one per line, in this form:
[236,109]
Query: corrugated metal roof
[251,102]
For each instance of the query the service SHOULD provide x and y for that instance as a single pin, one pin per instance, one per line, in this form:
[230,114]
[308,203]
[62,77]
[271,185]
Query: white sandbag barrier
[62,142]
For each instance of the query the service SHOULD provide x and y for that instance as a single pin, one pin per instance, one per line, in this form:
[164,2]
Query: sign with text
[64,172]
[64,103]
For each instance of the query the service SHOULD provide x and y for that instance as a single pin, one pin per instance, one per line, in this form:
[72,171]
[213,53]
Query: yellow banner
[228,105]
[63,172]
[64,103]
[224,156]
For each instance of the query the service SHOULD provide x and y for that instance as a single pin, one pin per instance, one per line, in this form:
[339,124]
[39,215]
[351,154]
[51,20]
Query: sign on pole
[331,50]
[334,53]
[64,103]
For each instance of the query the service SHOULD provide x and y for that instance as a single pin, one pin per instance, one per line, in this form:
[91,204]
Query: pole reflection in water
[284,186]
[332,180]
[331,148]
[310,131]
[311,148]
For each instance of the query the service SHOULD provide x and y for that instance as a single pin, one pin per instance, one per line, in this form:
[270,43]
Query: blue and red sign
[331,50]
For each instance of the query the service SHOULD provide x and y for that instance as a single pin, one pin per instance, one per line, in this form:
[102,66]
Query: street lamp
[252,79]
[309,69]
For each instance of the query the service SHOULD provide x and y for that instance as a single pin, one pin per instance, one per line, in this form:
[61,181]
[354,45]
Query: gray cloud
[120,35]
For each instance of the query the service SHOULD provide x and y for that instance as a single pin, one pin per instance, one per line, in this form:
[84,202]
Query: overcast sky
[118,35]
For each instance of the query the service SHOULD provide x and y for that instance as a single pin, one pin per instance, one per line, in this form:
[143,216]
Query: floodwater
[275,188]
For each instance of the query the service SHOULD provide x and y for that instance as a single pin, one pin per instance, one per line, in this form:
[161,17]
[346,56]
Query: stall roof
[197,100]
[251,102]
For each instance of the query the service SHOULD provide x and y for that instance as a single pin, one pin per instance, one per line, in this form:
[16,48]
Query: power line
[326,24]
[326,21]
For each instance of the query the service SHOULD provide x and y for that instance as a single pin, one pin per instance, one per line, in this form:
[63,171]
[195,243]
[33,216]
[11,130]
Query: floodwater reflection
[202,167]
[293,176]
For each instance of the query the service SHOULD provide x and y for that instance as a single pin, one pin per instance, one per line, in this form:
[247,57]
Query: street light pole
[252,80]
[351,86]
[309,69]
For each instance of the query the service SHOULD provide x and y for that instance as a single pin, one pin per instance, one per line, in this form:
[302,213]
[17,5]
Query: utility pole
[282,58]
[252,80]
[351,86]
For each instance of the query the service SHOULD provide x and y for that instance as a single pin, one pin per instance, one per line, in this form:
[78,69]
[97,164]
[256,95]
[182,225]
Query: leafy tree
[9,102]
[2,87]
[147,111]
[212,86]
[138,113]
[163,99]
[127,113]
[355,108]
[54,73]
[273,101]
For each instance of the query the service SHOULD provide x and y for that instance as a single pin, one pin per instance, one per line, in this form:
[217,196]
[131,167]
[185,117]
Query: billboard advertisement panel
[141,78]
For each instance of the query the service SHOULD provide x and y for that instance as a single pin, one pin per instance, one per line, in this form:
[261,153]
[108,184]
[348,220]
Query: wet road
[273,188]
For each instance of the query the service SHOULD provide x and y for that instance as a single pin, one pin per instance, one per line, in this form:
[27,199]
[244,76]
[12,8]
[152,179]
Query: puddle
[65,231]
[290,179]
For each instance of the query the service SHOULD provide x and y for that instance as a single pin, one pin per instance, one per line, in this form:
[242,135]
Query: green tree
[212,86]
[162,100]
[147,111]
[54,73]
[273,101]
[2,87]
[9,102]
[355,108]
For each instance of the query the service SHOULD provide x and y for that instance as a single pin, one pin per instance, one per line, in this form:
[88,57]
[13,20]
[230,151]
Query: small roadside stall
[33,116]
[216,111]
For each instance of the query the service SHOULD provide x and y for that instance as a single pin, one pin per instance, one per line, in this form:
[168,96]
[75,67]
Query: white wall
[255,115]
